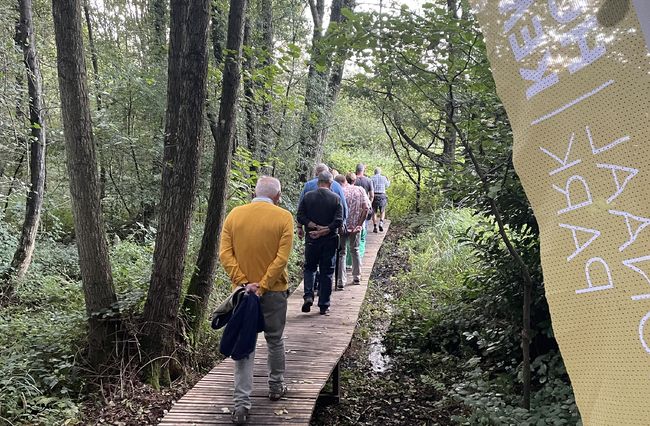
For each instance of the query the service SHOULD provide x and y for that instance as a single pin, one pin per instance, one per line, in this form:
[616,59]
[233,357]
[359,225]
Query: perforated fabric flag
[574,76]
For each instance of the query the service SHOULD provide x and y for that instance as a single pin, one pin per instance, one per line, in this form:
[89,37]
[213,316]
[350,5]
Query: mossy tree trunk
[99,292]
[186,94]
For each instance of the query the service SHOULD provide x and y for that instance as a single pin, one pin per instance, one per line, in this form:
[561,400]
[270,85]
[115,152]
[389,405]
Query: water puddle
[380,362]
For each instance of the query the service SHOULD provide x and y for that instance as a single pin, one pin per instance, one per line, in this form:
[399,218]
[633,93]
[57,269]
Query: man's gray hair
[377,171]
[325,177]
[267,186]
[320,168]
[361,168]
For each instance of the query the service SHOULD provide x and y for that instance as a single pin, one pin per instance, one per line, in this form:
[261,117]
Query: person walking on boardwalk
[358,207]
[380,183]
[363,181]
[321,213]
[312,185]
[256,241]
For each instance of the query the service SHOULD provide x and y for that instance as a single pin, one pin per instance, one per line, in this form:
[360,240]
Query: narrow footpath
[314,345]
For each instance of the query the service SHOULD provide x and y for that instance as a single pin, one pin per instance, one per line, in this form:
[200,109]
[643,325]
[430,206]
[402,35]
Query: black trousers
[320,254]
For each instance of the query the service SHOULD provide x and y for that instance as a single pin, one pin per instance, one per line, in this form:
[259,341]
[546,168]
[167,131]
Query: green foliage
[39,376]
[131,262]
[457,322]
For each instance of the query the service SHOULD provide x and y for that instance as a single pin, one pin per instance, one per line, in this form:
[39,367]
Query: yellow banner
[574,76]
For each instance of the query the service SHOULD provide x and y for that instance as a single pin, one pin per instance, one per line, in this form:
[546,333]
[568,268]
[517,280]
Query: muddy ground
[376,389]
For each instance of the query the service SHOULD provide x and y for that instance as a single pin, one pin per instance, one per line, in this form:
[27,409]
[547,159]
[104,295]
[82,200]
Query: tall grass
[438,263]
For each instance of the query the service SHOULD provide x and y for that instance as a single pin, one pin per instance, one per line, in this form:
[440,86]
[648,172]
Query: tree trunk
[218,31]
[158,18]
[266,24]
[249,91]
[418,188]
[13,179]
[323,85]
[314,97]
[94,263]
[98,97]
[449,144]
[23,255]
[198,293]
[186,93]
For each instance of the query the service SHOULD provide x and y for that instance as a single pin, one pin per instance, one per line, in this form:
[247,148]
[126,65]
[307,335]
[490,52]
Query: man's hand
[301,232]
[358,228]
[319,232]
[252,288]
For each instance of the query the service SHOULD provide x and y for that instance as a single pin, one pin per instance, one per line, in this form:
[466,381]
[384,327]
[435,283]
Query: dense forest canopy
[144,122]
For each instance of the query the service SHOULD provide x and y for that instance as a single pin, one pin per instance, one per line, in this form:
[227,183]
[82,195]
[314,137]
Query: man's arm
[364,208]
[227,255]
[301,215]
[338,218]
[371,194]
[344,203]
[279,264]
[387,182]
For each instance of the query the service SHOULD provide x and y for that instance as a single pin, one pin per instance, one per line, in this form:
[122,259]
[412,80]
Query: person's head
[325,179]
[341,180]
[268,187]
[361,168]
[334,173]
[320,168]
[377,171]
[351,178]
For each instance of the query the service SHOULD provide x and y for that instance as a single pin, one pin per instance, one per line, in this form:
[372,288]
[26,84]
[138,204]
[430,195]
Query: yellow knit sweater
[256,242]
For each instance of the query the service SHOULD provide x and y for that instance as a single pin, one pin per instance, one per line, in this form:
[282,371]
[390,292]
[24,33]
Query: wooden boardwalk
[313,343]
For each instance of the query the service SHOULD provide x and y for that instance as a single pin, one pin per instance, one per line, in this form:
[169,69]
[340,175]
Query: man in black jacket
[321,212]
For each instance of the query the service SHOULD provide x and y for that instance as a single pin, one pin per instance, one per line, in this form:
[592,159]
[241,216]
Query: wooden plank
[313,344]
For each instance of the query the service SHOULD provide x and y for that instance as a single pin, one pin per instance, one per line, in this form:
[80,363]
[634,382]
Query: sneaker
[381,228]
[324,310]
[240,416]
[340,286]
[306,306]
[277,393]
[374,229]
[356,281]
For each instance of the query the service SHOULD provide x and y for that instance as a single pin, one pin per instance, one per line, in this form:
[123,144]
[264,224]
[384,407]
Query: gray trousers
[274,308]
[353,239]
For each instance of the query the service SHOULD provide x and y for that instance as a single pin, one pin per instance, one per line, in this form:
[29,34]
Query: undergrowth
[457,324]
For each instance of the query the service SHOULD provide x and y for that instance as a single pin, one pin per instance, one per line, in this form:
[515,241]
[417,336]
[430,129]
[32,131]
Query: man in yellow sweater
[256,242]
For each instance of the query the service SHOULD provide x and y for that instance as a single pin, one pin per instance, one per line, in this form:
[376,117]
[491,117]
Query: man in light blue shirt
[379,202]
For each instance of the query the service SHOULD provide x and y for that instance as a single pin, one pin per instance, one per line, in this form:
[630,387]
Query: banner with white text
[574,76]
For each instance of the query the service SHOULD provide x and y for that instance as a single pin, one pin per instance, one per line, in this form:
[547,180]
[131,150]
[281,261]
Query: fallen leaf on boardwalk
[319,332]
[225,410]
[281,412]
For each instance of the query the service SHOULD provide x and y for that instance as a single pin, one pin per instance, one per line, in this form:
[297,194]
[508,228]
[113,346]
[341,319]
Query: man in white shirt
[379,202]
